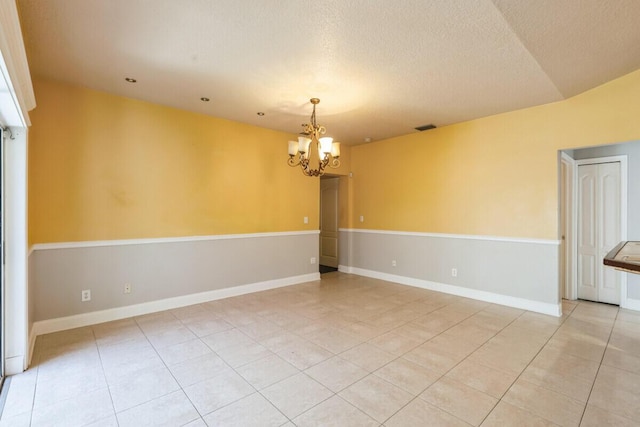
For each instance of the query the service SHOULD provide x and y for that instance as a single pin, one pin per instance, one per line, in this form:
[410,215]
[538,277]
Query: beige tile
[170,410]
[505,414]
[365,331]
[84,409]
[279,340]
[631,316]
[157,322]
[617,391]
[146,385]
[336,373]
[433,357]
[82,382]
[460,400]
[198,369]
[261,329]
[196,423]
[110,421]
[545,403]
[207,324]
[555,361]
[184,351]
[334,412]
[117,331]
[304,354]
[228,338]
[376,397]
[407,375]
[253,410]
[629,343]
[438,322]
[418,411]
[581,346]
[296,394]
[66,338]
[267,371]
[56,366]
[244,353]
[170,336]
[470,332]
[216,392]
[452,344]
[18,420]
[190,312]
[122,361]
[20,394]
[488,320]
[508,358]
[562,382]
[394,343]
[620,359]
[483,378]
[334,340]
[415,331]
[597,417]
[503,310]
[368,356]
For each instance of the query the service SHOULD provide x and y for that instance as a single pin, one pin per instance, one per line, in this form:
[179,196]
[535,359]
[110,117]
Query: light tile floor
[343,351]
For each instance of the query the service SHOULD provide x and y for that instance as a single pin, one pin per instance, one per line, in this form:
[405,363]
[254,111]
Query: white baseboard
[14,365]
[630,304]
[521,303]
[95,317]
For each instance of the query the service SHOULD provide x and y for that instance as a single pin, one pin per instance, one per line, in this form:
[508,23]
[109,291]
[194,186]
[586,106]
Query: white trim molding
[521,303]
[454,236]
[125,242]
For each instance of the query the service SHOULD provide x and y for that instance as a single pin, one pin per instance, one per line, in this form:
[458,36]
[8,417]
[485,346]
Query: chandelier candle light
[328,152]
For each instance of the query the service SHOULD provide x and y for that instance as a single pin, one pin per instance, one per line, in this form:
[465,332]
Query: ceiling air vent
[425,127]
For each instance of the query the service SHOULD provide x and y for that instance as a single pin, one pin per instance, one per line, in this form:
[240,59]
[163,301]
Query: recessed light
[260,113]
[205,99]
[130,80]
[367,139]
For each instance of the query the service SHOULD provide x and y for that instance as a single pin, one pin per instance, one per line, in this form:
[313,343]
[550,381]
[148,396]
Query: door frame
[573,219]
[569,249]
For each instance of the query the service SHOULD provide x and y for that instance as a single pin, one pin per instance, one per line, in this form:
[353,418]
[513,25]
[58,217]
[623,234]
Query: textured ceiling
[380,68]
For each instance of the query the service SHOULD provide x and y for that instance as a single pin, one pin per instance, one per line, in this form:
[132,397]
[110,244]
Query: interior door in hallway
[599,230]
[329,221]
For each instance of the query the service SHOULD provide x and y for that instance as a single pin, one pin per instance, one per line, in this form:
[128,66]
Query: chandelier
[324,151]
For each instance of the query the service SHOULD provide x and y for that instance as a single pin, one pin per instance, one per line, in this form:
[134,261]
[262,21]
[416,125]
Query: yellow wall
[495,176]
[104,167]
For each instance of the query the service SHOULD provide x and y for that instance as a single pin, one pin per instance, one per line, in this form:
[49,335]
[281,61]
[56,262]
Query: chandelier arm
[292,161]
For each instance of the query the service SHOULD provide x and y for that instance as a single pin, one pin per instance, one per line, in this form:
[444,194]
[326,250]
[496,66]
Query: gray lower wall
[160,270]
[527,269]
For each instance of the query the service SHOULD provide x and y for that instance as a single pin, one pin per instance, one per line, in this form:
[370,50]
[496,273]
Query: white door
[329,221]
[599,230]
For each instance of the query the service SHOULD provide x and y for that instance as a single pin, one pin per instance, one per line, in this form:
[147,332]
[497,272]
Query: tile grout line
[453,367]
[595,378]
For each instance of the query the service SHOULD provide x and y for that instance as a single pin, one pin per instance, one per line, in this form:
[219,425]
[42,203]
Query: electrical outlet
[305,220]
[393,263]
[86,295]
[454,272]
[361,218]
[127,288]
[312,260]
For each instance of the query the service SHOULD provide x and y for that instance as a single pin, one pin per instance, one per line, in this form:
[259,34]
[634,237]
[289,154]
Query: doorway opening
[593,219]
[329,222]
